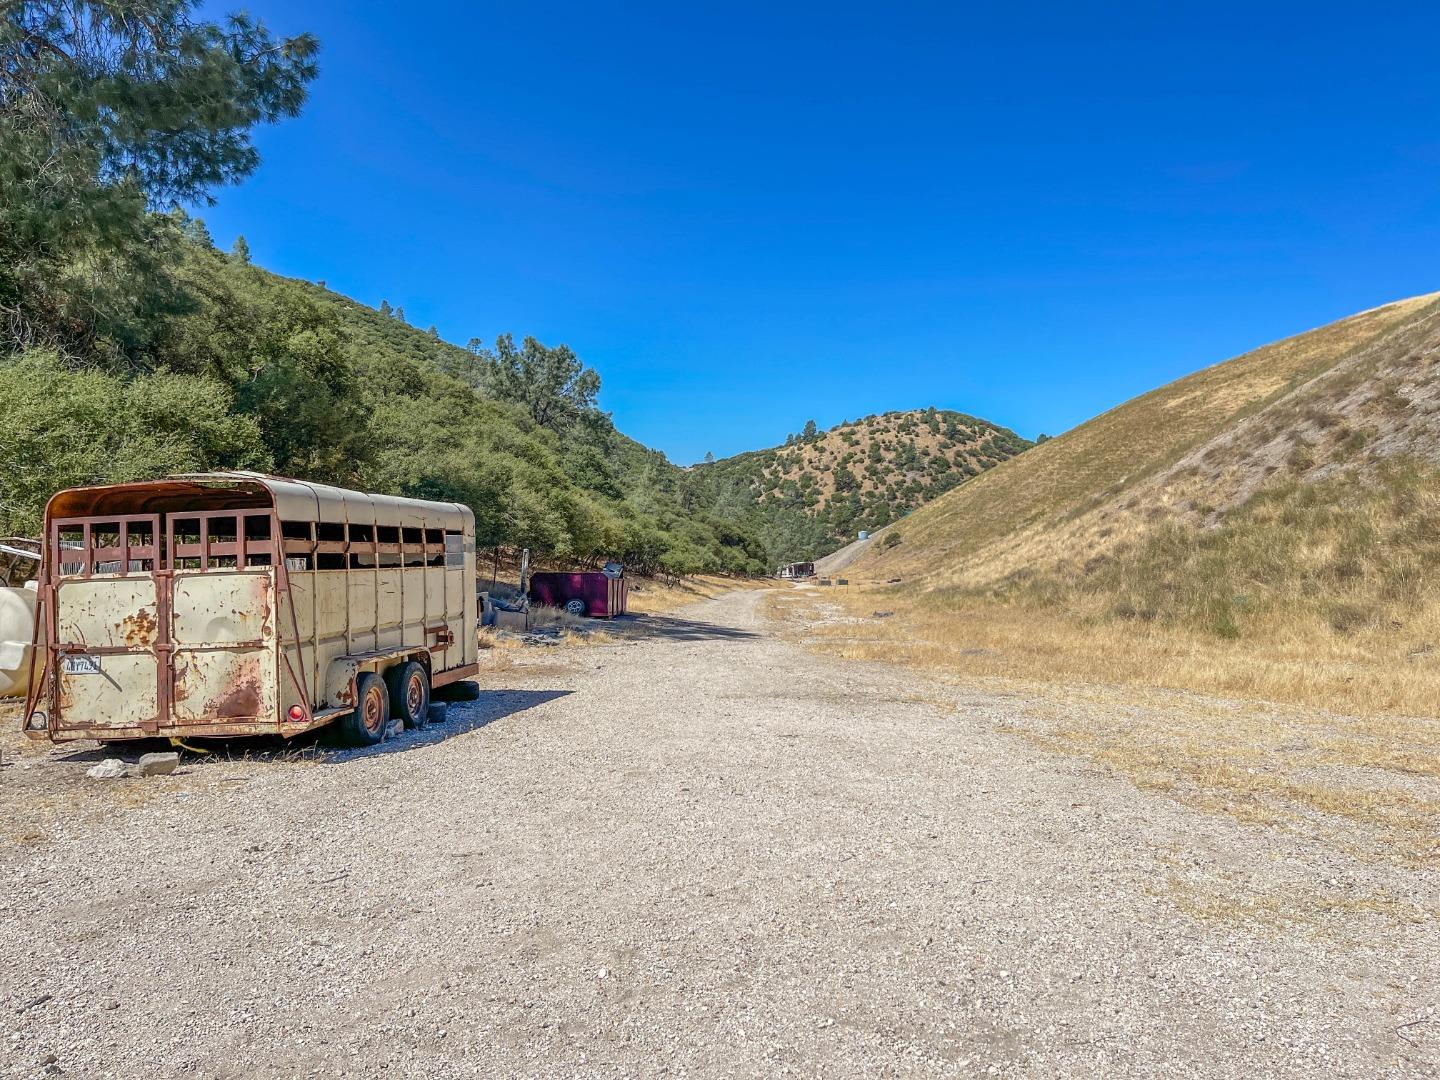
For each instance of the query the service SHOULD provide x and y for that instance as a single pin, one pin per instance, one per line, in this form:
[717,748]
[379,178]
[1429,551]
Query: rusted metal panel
[224,659]
[412,615]
[218,608]
[108,613]
[331,604]
[225,686]
[121,692]
[360,589]
[104,665]
[389,608]
[302,599]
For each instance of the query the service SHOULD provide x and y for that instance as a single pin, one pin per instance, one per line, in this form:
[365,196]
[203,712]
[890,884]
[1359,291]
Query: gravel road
[703,853]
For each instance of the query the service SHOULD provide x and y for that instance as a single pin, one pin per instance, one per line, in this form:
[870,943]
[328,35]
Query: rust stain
[262,594]
[240,697]
[138,630]
[178,689]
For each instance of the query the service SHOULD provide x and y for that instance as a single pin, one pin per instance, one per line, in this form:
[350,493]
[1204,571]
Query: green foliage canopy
[109,108]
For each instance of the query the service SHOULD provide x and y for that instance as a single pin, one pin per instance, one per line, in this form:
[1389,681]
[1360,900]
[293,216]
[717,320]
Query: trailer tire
[575,607]
[367,724]
[409,686]
[459,691]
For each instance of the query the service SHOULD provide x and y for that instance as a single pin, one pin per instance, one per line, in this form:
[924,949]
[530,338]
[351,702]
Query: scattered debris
[543,635]
[109,769]
[881,614]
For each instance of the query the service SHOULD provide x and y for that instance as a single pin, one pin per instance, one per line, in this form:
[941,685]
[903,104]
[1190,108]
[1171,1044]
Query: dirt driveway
[705,853]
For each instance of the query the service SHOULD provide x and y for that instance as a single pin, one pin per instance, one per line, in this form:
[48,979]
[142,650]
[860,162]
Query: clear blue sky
[748,215]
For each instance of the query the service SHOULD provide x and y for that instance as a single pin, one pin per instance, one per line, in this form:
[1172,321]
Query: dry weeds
[1293,737]
[651,596]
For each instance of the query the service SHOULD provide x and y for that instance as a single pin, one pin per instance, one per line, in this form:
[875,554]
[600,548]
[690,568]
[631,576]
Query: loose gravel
[703,852]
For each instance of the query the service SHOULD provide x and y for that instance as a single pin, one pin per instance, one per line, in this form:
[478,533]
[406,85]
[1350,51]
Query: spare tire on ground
[457,691]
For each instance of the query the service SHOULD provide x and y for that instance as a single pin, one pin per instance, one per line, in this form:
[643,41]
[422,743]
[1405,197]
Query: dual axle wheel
[402,694]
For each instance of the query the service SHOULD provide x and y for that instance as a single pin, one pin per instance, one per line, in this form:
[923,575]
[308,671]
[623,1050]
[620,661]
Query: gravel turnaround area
[701,853]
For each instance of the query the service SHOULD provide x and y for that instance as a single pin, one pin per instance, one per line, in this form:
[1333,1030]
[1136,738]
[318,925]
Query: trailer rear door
[107,625]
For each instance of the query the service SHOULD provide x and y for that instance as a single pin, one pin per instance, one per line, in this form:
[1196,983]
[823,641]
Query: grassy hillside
[811,495]
[257,371]
[1271,525]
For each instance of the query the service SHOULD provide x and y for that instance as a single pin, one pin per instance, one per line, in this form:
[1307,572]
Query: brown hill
[811,495]
[1286,498]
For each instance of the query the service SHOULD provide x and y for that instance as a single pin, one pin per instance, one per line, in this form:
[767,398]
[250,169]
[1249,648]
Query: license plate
[80,665]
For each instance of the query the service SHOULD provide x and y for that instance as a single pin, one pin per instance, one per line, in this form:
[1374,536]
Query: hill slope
[1286,498]
[1304,409]
[259,371]
[811,495]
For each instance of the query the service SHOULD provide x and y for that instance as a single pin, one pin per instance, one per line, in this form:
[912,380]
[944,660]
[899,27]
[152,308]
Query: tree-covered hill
[283,375]
[811,495]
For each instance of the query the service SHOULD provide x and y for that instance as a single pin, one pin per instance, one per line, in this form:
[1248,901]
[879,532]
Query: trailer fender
[344,670]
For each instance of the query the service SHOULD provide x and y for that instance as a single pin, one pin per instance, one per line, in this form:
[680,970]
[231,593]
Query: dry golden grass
[1317,909]
[1265,531]
[651,596]
[1354,745]
[1365,674]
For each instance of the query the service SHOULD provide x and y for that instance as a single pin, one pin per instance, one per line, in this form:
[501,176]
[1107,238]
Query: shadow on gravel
[669,628]
[462,717]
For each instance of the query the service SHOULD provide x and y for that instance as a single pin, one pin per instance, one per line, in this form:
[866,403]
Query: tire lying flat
[458,691]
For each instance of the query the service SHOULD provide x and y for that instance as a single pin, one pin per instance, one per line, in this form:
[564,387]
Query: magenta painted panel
[603,597]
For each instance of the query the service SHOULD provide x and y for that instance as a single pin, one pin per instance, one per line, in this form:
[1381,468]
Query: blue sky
[746,216]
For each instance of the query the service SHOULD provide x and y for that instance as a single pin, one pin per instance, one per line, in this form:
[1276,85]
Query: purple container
[593,594]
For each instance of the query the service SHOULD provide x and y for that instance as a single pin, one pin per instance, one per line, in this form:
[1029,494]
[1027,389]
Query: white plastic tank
[17,630]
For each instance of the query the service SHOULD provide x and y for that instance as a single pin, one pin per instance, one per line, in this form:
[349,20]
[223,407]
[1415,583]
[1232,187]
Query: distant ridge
[814,493]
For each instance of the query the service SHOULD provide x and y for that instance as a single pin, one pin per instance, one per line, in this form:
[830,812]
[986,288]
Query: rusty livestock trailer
[228,604]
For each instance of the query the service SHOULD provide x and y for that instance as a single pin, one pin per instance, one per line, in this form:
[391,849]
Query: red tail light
[297,713]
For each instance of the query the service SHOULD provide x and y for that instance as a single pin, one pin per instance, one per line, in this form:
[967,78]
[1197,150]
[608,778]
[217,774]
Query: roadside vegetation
[1334,745]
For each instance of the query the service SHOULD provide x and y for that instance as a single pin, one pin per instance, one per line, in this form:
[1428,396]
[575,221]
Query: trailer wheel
[409,688]
[366,725]
[575,607]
